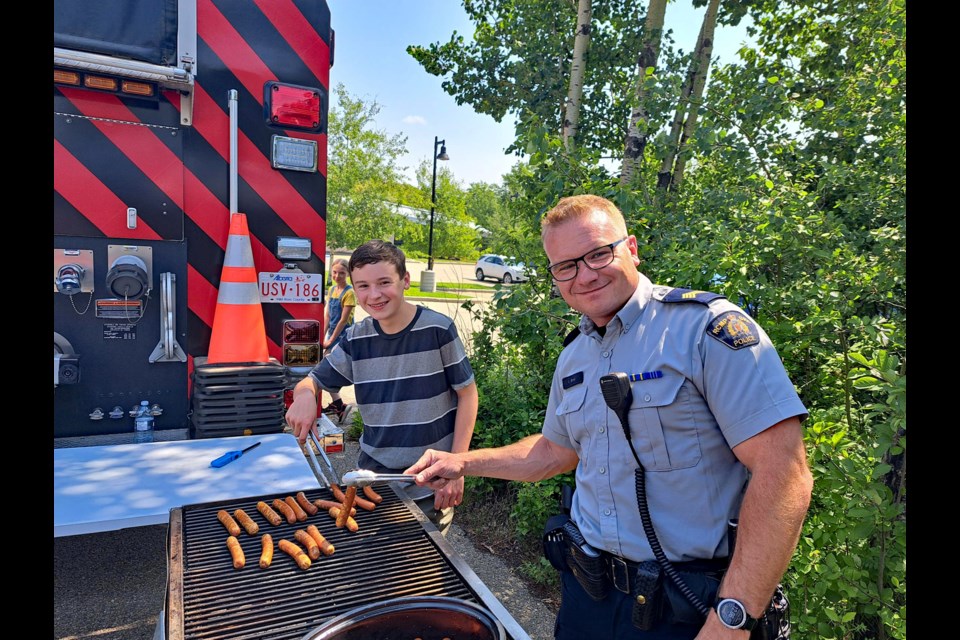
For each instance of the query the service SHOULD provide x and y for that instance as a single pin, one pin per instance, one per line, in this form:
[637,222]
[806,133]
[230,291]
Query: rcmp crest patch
[734,329]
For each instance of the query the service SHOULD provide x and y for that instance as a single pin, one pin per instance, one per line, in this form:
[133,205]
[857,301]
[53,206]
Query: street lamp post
[433,191]
[427,280]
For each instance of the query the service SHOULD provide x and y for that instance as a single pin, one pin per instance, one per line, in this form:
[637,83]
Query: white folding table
[103,488]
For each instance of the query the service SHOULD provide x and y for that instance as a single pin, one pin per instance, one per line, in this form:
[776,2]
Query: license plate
[286,286]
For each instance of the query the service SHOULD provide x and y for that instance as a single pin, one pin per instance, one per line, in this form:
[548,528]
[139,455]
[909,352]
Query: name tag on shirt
[572,380]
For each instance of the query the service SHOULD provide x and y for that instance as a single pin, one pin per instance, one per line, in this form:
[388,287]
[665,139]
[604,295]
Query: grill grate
[392,555]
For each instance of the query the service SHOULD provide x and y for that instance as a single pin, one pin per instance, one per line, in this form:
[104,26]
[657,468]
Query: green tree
[793,204]
[362,167]
[519,61]
[454,236]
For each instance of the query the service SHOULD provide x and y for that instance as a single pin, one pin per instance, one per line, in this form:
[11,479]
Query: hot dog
[227,521]
[295,552]
[236,552]
[305,503]
[304,538]
[322,542]
[266,554]
[351,523]
[272,516]
[349,497]
[360,502]
[298,511]
[375,497]
[326,504]
[285,509]
[246,521]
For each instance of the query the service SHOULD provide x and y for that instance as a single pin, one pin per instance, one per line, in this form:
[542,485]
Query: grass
[414,290]
[461,285]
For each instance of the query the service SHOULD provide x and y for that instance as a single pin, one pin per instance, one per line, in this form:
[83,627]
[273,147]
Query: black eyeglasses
[595,259]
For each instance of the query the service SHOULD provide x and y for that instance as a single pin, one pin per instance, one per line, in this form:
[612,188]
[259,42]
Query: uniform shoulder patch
[734,329]
[676,294]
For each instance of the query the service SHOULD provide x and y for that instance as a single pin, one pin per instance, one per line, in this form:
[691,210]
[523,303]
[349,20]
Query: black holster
[587,564]
[555,543]
[647,594]
[775,621]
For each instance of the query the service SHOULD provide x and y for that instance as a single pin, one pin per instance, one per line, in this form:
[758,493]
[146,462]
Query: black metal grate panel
[392,555]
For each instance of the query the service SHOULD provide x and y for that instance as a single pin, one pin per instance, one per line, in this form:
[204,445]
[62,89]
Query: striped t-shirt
[405,385]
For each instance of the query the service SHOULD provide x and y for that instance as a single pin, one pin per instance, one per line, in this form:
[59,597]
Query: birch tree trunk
[636,139]
[683,128]
[577,66]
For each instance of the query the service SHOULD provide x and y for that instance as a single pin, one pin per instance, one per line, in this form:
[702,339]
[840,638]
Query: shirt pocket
[662,424]
[570,413]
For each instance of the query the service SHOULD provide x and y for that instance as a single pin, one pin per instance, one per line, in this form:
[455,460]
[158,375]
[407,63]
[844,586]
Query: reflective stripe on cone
[238,334]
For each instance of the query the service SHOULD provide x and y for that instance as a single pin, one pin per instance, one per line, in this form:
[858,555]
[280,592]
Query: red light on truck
[301,331]
[290,105]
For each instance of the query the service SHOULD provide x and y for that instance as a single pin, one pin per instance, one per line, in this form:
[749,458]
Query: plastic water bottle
[143,423]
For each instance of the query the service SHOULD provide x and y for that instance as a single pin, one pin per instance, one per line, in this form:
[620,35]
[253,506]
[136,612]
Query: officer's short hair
[580,206]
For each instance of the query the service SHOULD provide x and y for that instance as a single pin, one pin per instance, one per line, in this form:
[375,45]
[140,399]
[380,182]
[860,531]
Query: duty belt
[623,572]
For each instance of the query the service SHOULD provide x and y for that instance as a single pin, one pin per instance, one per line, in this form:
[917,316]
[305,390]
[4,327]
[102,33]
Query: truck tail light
[294,106]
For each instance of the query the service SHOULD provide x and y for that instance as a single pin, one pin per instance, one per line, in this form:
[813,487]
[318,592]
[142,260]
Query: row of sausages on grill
[296,509]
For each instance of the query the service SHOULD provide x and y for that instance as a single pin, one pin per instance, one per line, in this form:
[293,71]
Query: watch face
[731,613]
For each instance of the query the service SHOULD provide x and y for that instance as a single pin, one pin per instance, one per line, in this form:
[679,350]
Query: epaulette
[571,337]
[676,294]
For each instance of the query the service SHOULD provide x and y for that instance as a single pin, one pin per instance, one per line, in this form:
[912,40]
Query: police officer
[714,423]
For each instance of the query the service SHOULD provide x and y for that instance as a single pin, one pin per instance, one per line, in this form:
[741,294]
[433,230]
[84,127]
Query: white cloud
[414,120]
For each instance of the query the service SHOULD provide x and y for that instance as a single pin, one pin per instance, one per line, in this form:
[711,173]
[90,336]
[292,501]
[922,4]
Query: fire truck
[171,116]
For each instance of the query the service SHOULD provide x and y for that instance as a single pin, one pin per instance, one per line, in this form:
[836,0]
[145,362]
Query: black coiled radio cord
[618,396]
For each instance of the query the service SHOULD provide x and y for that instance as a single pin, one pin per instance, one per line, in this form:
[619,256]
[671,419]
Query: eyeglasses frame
[576,261]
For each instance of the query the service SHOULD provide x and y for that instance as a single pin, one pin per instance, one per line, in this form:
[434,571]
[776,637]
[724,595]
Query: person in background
[337,316]
[414,385]
[715,438]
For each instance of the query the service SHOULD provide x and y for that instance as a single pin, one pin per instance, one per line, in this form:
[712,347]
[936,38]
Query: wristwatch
[733,615]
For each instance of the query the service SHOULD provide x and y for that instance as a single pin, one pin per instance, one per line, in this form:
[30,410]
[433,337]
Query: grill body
[396,553]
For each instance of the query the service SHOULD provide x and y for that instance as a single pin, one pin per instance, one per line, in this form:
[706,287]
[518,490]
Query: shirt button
[602,429]
[606,354]
[646,398]
[603,469]
[606,512]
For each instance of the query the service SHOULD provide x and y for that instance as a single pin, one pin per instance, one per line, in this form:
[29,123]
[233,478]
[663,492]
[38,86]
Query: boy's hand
[449,496]
[302,416]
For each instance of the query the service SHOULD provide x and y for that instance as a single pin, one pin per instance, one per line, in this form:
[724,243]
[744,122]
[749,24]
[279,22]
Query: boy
[414,385]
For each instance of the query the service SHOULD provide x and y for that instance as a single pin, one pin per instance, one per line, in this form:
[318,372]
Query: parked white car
[502,268]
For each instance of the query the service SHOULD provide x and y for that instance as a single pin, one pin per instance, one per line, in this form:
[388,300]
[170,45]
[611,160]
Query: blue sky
[372,63]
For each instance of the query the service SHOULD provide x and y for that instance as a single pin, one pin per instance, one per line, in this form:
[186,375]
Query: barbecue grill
[396,553]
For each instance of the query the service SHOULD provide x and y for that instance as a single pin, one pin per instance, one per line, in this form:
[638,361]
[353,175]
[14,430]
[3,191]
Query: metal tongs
[317,471]
[363,477]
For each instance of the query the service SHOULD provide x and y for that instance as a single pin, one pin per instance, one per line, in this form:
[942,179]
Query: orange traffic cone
[238,333]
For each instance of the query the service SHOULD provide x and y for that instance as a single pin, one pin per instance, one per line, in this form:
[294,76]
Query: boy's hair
[374,251]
